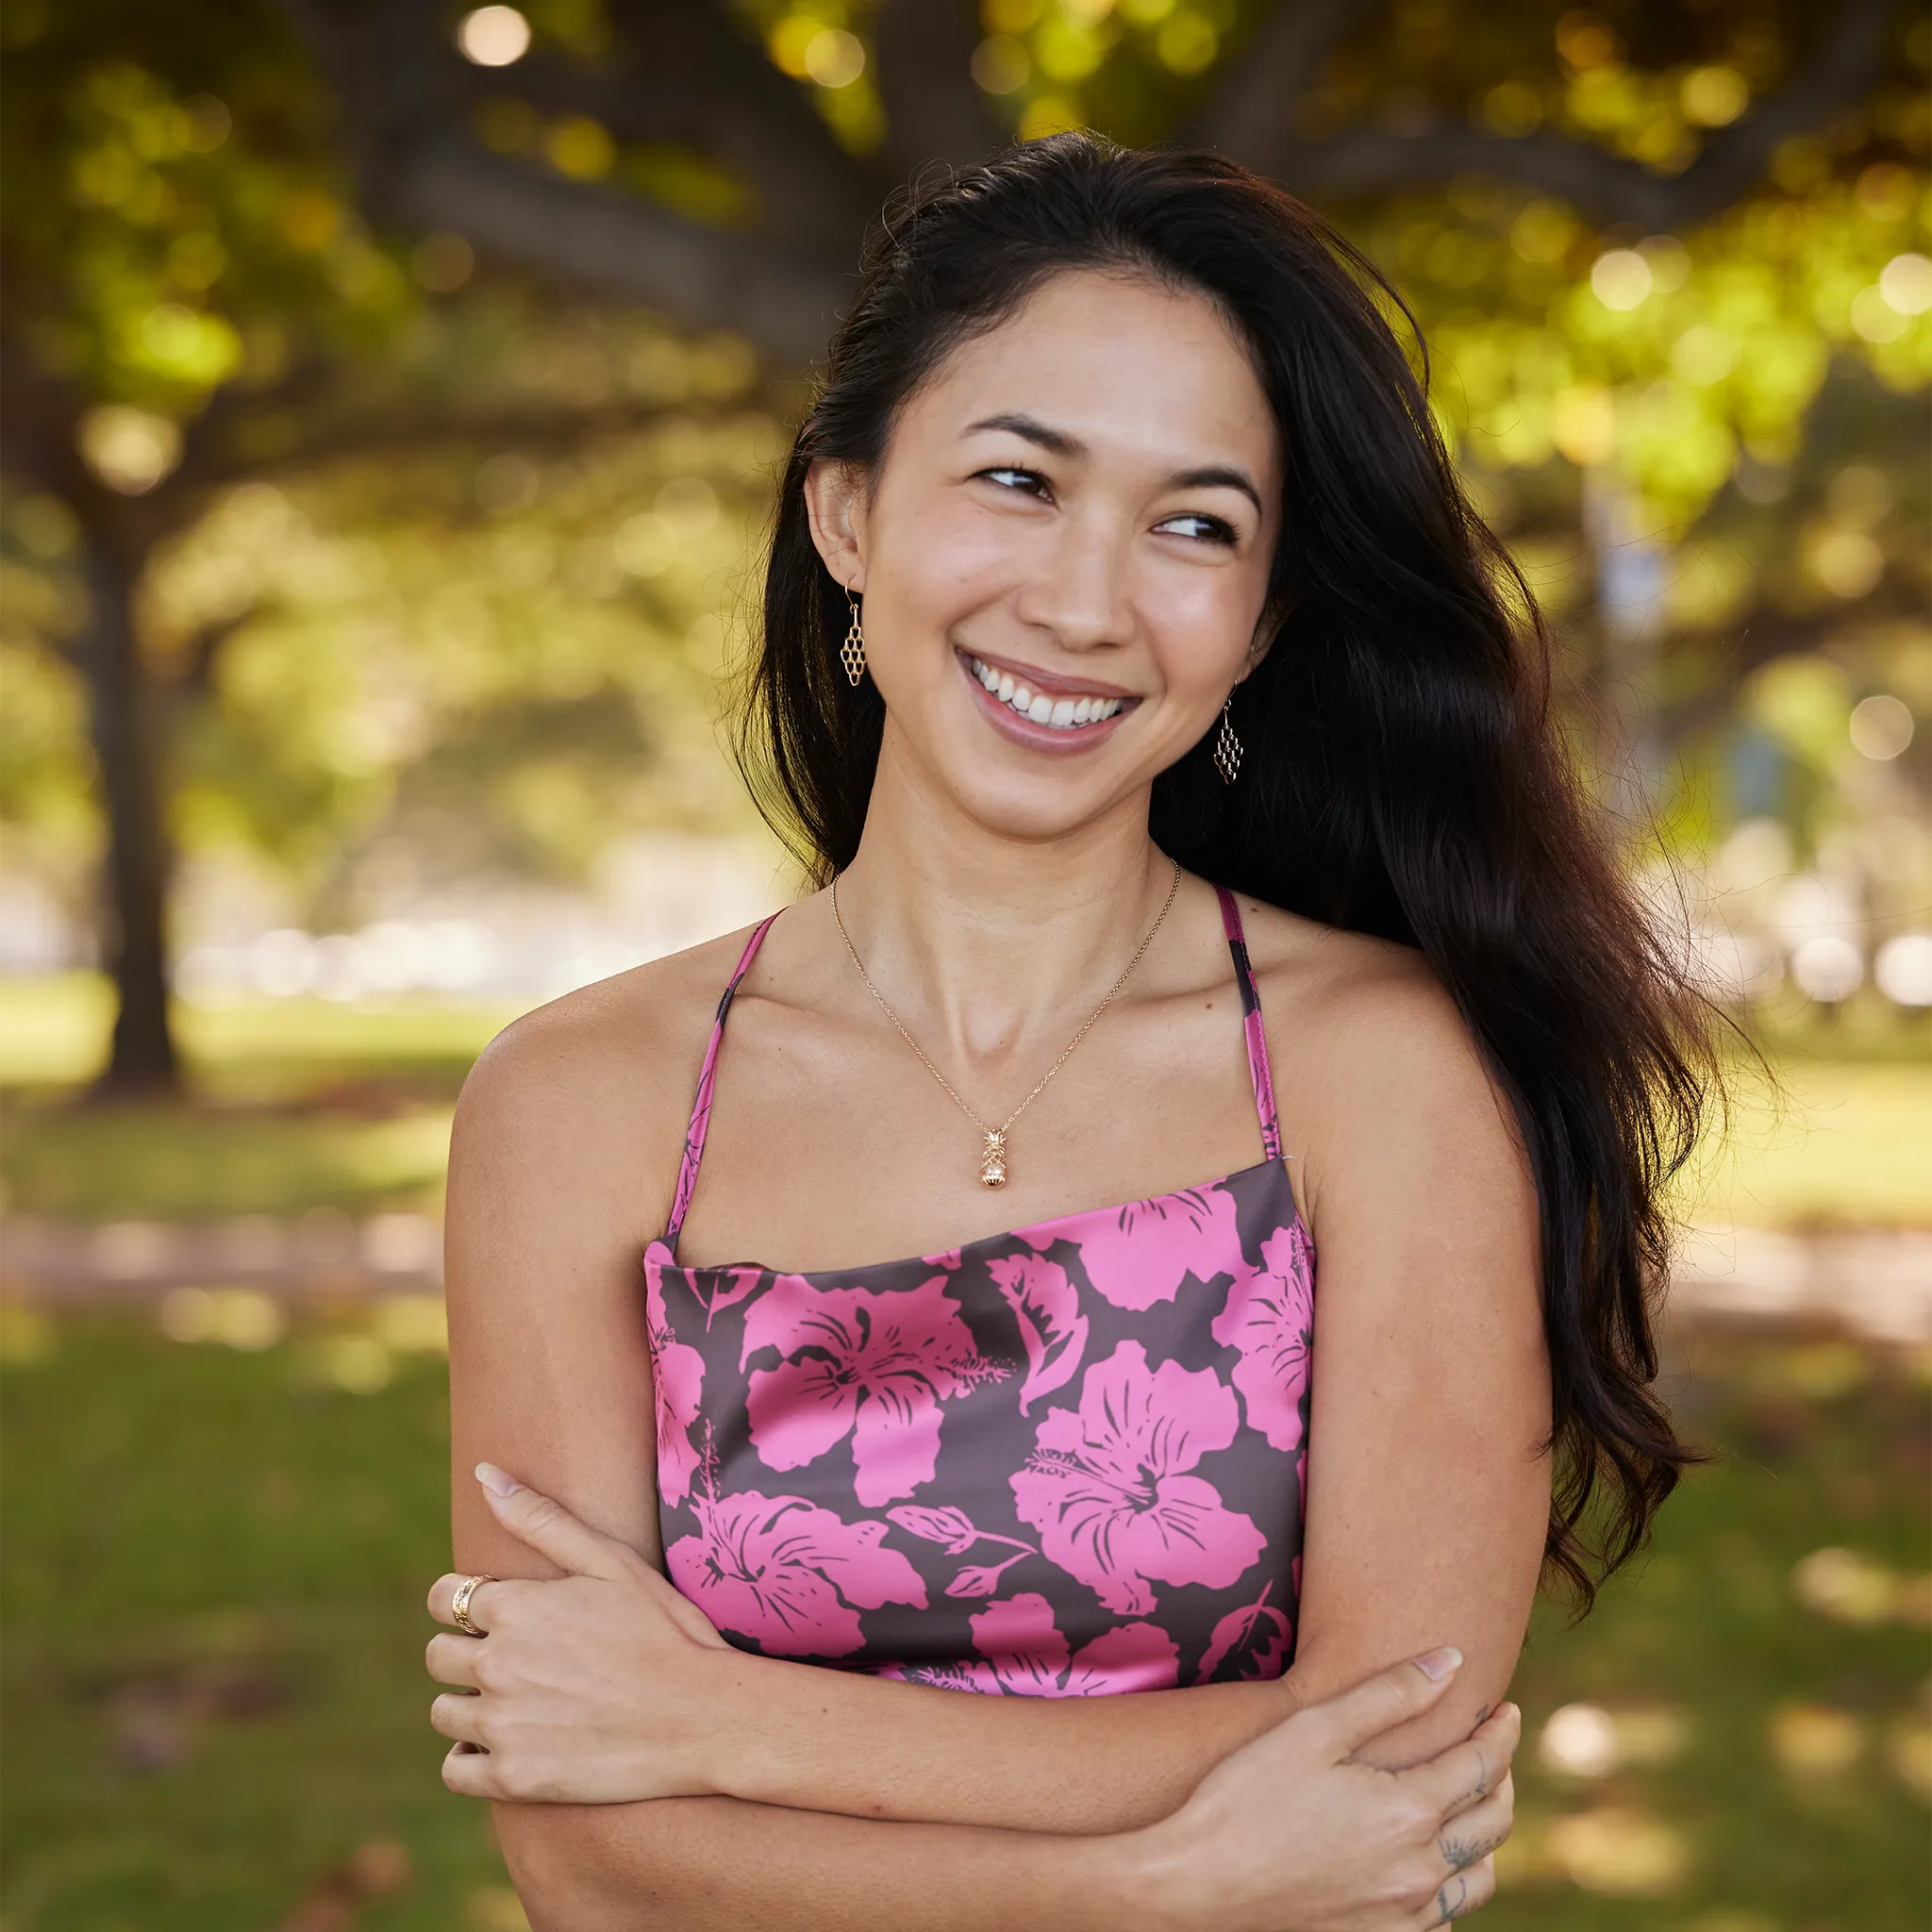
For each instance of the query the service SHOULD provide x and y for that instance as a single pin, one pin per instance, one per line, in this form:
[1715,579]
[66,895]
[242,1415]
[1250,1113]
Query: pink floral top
[1057,1462]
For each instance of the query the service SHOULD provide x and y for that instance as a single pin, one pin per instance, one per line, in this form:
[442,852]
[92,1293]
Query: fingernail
[495,1481]
[1439,1663]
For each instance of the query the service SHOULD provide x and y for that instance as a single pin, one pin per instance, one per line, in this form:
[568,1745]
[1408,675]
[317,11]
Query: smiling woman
[1151,1598]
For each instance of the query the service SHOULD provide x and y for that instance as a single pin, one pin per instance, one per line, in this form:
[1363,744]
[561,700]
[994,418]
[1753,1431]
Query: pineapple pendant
[992,1161]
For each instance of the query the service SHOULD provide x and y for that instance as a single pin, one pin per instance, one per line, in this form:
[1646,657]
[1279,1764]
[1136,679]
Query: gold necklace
[993,1155]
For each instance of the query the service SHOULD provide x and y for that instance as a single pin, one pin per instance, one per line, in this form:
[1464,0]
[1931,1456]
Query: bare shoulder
[600,1080]
[1347,995]
[1370,1050]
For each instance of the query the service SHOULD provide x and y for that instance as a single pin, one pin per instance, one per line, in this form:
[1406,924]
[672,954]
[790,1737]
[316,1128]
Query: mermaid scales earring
[852,651]
[1227,747]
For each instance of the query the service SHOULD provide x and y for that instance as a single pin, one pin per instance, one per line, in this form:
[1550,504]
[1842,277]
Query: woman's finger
[1378,1704]
[443,1598]
[1467,1772]
[1458,1895]
[550,1529]
[458,1716]
[453,1660]
[469,1771]
[1474,1835]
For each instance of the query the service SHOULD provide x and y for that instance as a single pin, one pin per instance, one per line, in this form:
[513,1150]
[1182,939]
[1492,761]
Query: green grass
[213,1618]
[213,1624]
[296,1103]
[109,1163]
[54,1036]
[1833,1142]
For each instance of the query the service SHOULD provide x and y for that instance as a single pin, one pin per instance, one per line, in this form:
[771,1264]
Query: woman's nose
[1079,590]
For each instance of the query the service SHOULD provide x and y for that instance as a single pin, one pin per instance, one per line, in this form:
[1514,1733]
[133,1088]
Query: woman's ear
[835,505]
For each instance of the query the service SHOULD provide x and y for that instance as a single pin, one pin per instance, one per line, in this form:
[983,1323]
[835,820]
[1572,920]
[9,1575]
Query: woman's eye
[1029,480]
[1207,529]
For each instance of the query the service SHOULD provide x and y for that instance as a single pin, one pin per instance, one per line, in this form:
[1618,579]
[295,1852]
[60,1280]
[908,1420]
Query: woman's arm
[1359,1850]
[1428,1479]
[1357,1839]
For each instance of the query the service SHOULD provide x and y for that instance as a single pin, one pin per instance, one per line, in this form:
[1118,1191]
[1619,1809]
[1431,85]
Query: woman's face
[1065,552]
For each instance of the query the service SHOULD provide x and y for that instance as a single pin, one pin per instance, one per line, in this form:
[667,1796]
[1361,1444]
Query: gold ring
[459,1606]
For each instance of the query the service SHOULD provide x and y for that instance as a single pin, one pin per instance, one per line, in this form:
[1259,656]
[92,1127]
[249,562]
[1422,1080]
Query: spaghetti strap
[1258,1069]
[707,1076]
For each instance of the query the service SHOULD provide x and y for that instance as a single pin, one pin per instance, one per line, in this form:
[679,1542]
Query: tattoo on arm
[1452,1908]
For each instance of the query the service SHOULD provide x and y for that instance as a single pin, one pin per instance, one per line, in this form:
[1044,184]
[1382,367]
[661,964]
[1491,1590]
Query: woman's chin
[1039,807]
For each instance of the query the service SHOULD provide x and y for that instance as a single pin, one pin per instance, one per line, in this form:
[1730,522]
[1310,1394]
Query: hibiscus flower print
[788,1575]
[1108,1486]
[1141,1254]
[1023,1654]
[852,1361]
[1268,1319]
[677,1380]
[1052,1328]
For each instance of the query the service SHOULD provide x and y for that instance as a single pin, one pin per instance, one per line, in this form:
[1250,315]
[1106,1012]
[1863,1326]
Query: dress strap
[1258,1069]
[708,1077]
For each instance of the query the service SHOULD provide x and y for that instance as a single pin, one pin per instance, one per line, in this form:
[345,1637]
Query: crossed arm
[817,1797]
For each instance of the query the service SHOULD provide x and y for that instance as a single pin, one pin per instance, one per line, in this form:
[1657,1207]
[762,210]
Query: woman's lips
[1059,716]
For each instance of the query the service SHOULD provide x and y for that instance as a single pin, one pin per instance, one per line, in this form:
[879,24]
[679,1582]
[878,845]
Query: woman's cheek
[1201,642]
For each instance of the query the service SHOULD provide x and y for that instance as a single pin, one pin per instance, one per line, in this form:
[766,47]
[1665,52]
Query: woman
[1154,712]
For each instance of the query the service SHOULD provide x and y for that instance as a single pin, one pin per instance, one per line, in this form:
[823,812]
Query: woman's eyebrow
[1210,476]
[1216,476]
[1030,428]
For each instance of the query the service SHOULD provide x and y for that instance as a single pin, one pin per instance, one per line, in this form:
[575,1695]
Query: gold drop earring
[852,651]
[1227,747]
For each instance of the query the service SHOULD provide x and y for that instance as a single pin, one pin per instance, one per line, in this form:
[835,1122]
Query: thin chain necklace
[992,1154]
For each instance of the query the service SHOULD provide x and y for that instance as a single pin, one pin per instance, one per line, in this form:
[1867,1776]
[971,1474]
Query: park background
[391,399]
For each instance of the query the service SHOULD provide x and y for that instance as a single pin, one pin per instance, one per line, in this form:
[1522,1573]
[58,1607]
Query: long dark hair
[1404,773]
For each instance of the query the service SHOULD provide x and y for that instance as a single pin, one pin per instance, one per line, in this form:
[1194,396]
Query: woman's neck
[985,942]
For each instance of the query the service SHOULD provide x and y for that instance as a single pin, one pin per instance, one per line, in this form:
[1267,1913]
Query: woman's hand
[1292,1834]
[594,1688]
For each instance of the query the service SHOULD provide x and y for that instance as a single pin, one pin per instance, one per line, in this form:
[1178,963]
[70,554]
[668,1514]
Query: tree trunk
[124,728]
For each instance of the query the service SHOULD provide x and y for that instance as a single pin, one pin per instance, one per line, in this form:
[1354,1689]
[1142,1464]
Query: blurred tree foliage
[388,388]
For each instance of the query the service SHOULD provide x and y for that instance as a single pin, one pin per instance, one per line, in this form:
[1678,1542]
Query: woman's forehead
[1116,360]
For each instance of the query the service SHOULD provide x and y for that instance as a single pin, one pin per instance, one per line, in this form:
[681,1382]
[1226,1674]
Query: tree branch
[548,431]
[195,675]
[1611,188]
[783,302]
[935,111]
[1258,90]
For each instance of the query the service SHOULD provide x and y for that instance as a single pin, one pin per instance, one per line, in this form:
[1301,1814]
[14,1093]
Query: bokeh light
[1881,725]
[129,450]
[1621,278]
[494,36]
[1904,969]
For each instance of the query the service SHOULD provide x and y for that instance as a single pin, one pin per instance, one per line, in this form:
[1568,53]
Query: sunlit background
[391,399]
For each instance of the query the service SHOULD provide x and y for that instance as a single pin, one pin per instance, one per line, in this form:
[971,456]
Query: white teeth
[1058,714]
